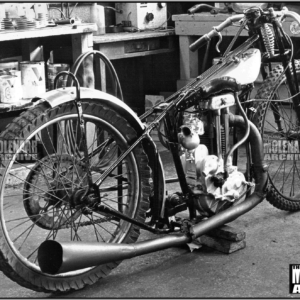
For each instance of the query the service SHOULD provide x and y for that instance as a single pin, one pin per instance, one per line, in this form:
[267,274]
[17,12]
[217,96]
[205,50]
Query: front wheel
[280,130]
[38,203]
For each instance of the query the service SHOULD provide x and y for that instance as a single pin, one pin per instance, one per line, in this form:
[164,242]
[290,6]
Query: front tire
[39,206]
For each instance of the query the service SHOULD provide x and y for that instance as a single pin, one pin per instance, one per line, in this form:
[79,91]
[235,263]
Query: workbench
[132,45]
[190,27]
[114,46]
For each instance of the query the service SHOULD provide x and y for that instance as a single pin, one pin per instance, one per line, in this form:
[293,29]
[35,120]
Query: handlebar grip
[199,43]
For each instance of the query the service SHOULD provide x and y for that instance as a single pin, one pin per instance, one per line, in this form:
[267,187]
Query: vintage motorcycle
[97,177]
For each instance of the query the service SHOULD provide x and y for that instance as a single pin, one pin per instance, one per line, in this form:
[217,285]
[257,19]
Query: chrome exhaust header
[55,257]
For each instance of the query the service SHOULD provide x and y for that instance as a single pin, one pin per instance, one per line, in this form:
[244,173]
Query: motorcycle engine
[204,170]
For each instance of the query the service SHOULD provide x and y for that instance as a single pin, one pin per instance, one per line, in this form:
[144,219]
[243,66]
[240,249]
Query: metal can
[18,84]
[8,89]
[33,78]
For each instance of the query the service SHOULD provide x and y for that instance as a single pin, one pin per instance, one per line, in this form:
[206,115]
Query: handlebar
[202,40]
[205,38]
[292,14]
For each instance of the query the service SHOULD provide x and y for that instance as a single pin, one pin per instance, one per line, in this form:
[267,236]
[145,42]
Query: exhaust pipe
[55,257]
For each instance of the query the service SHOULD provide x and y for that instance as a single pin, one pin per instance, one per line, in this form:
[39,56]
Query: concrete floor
[261,270]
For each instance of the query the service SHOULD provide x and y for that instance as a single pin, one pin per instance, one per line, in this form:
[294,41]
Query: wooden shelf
[20,105]
[10,35]
[128,36]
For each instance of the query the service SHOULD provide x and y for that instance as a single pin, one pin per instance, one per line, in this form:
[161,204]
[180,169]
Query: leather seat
[220,85]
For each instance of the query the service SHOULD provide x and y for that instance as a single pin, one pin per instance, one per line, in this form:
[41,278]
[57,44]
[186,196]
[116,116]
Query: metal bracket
[220,39]
[83,139]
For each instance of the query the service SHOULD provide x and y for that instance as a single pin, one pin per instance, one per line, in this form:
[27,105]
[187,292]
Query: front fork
[171,130]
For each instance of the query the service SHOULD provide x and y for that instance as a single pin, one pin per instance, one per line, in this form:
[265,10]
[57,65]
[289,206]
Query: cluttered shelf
[115,45]
[35,44]
[82,41]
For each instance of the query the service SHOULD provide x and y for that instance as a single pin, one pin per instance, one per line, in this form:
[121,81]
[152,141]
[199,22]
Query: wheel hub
[49,188]
[82,197]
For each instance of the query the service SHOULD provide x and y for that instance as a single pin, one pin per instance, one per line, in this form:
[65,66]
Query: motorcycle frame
[167,116]
[78,255]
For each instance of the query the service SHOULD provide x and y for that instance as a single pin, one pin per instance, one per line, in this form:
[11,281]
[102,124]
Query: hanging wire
[58,9]
[72,9]
[68,10]
[114,9]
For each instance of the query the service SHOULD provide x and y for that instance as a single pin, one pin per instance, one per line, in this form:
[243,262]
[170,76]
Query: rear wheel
[280,130]
[38,203]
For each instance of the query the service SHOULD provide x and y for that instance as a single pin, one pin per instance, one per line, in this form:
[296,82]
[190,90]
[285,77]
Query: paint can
[18,84]
[32,78]
[8,89]
[52,71]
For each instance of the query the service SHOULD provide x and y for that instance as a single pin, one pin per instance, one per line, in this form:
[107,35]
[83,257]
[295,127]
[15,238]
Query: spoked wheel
[39,205]
[280,130]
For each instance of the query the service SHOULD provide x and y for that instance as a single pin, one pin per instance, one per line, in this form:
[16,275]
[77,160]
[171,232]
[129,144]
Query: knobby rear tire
[283,195]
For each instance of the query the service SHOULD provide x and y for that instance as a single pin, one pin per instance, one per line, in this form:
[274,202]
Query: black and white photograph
[149,150]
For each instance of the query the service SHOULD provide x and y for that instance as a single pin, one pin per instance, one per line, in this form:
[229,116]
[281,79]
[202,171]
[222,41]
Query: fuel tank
[244,68]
